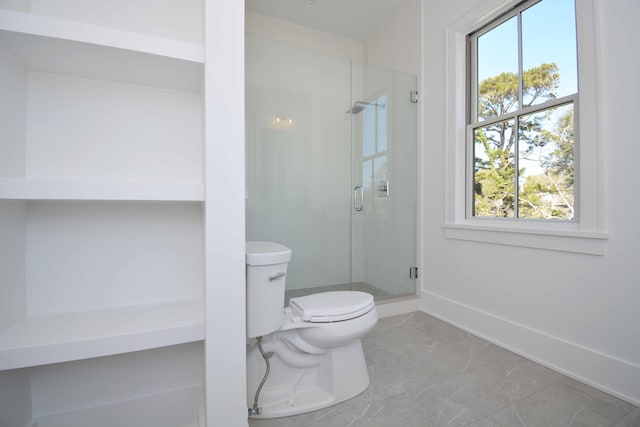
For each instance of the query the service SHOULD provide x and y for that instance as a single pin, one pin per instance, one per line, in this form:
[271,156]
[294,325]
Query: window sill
[592,243]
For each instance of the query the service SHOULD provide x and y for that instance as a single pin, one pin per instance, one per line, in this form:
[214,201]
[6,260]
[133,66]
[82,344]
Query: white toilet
[313,346]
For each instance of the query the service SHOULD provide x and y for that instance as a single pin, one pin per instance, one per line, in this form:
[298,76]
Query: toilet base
[340,374]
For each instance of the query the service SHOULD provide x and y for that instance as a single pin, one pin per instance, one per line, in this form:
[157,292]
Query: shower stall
[331,168]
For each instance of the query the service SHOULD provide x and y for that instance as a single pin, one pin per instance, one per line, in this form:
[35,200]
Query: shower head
[360,105]
[356,109]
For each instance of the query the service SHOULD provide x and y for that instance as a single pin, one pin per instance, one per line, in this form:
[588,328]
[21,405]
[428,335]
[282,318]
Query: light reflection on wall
[283,121]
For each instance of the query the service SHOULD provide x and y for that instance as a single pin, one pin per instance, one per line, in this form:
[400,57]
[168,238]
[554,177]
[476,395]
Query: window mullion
[520,70]
[516,124]
[516,166]
[473,81]
[528,110]
[472,118]
[376,124]
[470,175]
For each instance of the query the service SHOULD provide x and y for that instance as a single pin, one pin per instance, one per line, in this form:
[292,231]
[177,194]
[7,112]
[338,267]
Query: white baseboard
[396,306]
[605,372]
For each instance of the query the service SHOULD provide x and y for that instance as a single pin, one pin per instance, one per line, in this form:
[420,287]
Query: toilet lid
[332,306]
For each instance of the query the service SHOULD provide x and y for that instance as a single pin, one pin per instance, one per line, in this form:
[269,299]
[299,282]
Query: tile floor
[425,372]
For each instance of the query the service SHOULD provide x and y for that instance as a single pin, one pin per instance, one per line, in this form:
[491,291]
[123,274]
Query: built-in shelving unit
[101,205]
[63,337]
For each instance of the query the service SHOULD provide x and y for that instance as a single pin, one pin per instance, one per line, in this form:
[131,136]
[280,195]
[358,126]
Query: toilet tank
[266,273]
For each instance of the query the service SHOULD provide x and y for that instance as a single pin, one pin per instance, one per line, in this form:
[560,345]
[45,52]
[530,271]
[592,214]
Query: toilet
[312,346]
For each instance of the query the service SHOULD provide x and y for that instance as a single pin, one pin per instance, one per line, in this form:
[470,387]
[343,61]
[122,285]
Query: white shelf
[58,46]
[41,189]
[55,338]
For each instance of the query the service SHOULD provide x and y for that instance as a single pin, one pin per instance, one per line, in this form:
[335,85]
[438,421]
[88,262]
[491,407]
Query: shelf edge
[42,189]
[21,345]
[45,26]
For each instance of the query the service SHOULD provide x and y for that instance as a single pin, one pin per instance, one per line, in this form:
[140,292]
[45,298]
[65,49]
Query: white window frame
[586,234]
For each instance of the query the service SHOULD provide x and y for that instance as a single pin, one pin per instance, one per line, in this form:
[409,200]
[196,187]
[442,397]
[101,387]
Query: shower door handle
[355,198]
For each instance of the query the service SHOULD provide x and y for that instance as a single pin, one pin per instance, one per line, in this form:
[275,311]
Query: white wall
[395,43]
[577,313]
[15,398]
[301,36]
[19,5]
[13,106]
[12,262]
[139,133]
[63,258]
[86,383]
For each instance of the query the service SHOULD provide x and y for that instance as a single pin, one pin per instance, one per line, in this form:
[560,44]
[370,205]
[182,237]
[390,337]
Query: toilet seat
[334,306]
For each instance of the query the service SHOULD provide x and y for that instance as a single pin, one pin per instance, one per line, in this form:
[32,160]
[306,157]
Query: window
[524,165]
[523,89]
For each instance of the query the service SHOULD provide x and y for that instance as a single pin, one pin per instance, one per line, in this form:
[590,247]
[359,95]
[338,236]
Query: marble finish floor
[427,373]
[378,294]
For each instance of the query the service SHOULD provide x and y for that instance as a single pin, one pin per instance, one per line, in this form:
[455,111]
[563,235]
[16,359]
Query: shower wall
[298,158]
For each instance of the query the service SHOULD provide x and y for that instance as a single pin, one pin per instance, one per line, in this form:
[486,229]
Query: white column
[225,361]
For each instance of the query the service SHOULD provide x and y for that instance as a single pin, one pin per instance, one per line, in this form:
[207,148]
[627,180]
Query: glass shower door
[384,177]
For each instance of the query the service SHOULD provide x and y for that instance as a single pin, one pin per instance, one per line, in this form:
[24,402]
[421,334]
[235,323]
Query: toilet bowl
[313,346]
